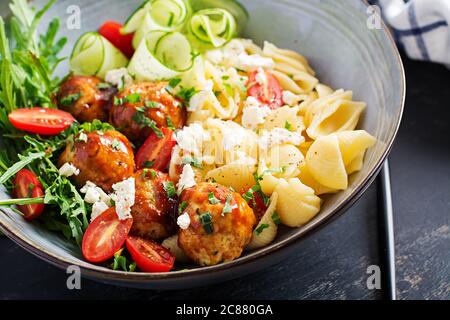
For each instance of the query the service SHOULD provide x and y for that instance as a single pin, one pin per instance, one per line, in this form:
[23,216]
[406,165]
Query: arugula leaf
[121,262]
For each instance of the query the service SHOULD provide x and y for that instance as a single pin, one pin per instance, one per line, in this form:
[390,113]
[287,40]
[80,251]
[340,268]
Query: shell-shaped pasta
[268,234]
[299,82]
[306,178]
[280,117]
[171,244]
[354,143]
[297,204]
[287,158]
[288,57]
[324,160]
[356,165]
[304,147]
[323,90]
[339,116]
[236,175]
[318,104]
[267,181]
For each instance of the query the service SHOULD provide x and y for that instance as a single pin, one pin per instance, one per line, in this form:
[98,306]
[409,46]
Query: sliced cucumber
[95,55]
[161,55]
[211,28]
[234,7]
[166,15]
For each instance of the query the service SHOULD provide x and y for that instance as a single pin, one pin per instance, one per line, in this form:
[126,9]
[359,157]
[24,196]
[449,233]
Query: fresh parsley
[170,125]
[276,218]
[170,189]
[288,126]
[193,162]
[207,223]
[212,198]
[151,104]
[148,163]
[182,207]
[141,119]
[115,144]
[227,208]
[69,99]
[261,228]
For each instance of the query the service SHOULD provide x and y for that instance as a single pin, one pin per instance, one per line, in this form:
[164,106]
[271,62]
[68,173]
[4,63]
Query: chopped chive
[115,144]
[148,163]
[133,98]
[206,220]
[193,162]
[170,189]
[151,104]
[103,86]
[174,82]
[170,123]
[227,207]
[69,99]
[182,207]
[288,126]
[276,218]
[261,228]
[212,198]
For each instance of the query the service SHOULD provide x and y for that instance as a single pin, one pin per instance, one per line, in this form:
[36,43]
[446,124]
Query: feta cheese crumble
[191,138]
[254,113]
[261,77]
[119,77]
[68,170]
[279,136]
[184,221]
[124,196]
[187,178]
[94,194]
[97,209]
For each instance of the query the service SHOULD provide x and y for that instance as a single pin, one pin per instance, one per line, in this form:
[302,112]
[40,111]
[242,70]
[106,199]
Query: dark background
[332,263]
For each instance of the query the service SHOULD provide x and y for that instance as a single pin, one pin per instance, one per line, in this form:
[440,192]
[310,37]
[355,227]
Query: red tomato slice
[27,185]
[105,236]
[43,121]
[111,31]
[150,256]
[156,152]
[257,203]
[269,93]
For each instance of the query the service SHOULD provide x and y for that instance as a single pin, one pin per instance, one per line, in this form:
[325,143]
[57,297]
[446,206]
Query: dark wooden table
[332,263]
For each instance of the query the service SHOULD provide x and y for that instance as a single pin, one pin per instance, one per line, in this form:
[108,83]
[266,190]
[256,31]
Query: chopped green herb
[170,22]
[288,126]
[140,119]
[82,137]
[170,189]
[145,172]
[117,101]
[151,104]
[206,220]
[225,78]
[115,144]
[212,198]
[103,86]
[148,163]
[250,194]
[170,125]
[182,207]
[229,89]
[186,94]
[227,207]
[192,161]
[261,228]
[122,263]
[276,218]
[174,82]
[71,98]
[132,98]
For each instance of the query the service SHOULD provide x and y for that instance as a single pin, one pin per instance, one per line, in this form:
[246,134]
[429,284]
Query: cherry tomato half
[111,31]
[150,256]
[269,92]
[156,152]
[256,203]
[27,185]
[43,121]
[105,236]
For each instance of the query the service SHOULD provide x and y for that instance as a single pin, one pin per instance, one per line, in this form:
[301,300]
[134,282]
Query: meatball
[221,226]
[153,211]
[102,158]
[138,103]
[85,99]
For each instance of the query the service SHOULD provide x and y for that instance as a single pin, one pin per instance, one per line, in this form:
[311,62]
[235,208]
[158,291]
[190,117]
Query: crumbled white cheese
[82,137]
[86,189]
[249,62]
[68,170]
[290,98]
[187,178]
[97,209]
[119,77]
[261,77]
[279,136]
[92,195]
[254,113]
[192,138]
[124,197]
[184,221]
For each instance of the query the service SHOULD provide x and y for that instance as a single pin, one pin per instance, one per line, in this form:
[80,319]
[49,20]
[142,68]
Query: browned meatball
[103,158]
[215,234]
[153,211]
[145,101]
[85,98]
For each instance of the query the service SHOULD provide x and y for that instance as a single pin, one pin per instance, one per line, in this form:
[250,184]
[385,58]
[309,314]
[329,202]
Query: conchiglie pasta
[342,115]
[283,116]
[297,204]
[320,103]
[299,83]
[354,143]
[171,244]
[307,179]
[323,90]
[236,175]
[324,160]
[286,158]
[267,234]
[356,165]
[267,181]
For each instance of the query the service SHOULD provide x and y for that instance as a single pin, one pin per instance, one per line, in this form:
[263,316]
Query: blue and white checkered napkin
[421,27]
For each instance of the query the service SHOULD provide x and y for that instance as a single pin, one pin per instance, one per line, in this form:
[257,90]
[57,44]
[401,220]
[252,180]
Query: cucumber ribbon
[211,28]
[161,55]
[164,15]
[94,55]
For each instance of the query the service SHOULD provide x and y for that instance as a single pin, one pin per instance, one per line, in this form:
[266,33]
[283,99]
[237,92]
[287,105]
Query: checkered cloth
[420,27]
